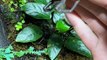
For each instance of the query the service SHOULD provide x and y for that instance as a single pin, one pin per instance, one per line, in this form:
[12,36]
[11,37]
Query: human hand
[91,26]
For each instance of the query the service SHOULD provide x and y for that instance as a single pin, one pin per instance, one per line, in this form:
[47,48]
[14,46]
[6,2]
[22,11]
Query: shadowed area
[3,38]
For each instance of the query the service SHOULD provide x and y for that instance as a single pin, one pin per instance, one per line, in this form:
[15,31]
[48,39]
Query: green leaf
[30,48]
[29,34]
[73,32]
[19,23]
[58,16]
[9,56]
[54,46]
[40,52]
[61,26]
[23,1]
[77,45]
[1,59]
[42,1]
[8,49]
[2,53]
[19,54]
[4,0]
[36,10]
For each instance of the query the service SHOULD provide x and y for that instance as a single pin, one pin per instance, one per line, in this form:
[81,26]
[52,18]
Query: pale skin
[90,22]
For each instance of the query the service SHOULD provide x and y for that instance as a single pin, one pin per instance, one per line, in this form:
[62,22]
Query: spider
[58,5]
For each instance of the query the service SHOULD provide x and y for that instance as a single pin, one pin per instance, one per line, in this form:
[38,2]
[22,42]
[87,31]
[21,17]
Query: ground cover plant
[34,24]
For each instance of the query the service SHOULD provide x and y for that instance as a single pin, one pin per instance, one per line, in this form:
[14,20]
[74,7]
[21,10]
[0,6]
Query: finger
[97,26]
[99,12]
[83,31]
[102,3]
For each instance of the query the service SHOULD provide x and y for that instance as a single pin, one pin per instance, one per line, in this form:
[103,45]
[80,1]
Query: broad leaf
[73,32]
[58,16]
[61,26]
[29,34]
[77,45]
[36,10]
[54,46]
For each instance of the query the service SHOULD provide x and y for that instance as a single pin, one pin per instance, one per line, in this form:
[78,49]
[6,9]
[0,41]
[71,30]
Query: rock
[3,38]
